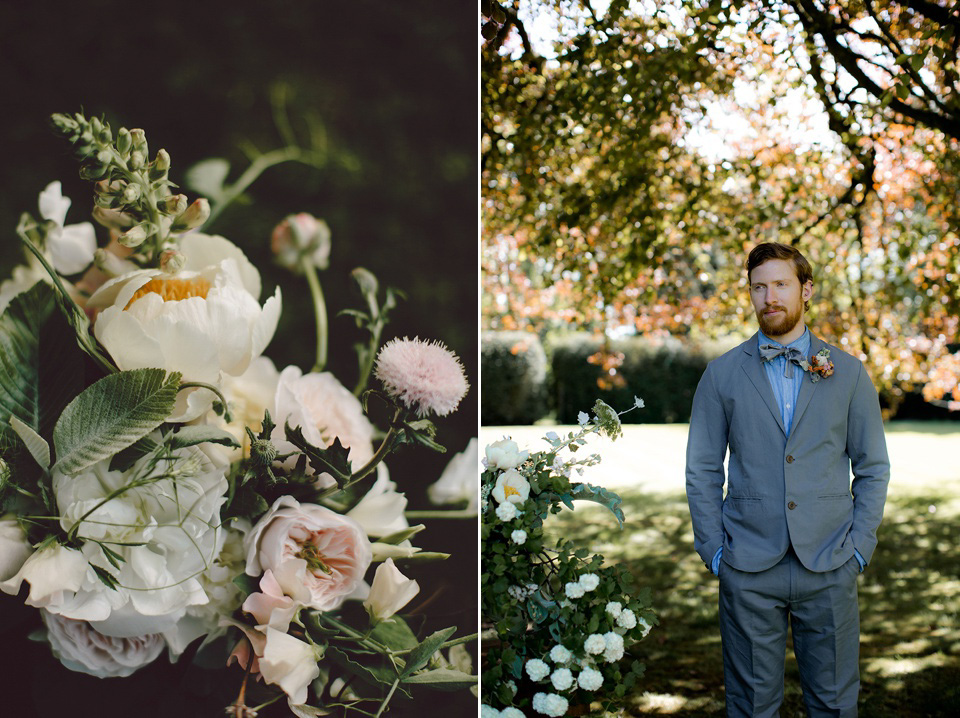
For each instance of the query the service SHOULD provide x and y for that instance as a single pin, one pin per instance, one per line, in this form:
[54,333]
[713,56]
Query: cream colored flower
[69,247]
[15,549]
[83,649]
[460,480]
[289,663]
[390,592]
[511,486]
[505,454]
[200,322]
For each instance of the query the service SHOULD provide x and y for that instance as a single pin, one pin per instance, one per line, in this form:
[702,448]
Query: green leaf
[193,435]
[401,535]
[39,449]
[106,578]
[123,460]
[247,584]
[394,634]
[371,669]
[112,414]
[421,654]
[600,495]
[332,460]
[443,679]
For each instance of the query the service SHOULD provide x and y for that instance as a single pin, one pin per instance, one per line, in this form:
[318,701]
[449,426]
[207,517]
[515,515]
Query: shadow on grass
[909,602]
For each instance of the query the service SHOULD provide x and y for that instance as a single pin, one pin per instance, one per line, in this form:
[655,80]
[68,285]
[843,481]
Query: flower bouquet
[165,489]
[557,622]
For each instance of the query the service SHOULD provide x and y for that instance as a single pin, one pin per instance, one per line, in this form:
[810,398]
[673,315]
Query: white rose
[81,648]
[202,321]
[14,547]
[163,519]
[460,479]
[505,454]
[318,556]
[390,592]
[511,486]
[323,409]
[289,663]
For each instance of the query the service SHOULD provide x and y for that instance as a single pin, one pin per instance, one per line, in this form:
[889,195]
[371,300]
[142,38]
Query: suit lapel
[753,367]
[807,387]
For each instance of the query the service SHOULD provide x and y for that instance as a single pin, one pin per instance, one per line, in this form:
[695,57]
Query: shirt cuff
[715,564]
[863,564]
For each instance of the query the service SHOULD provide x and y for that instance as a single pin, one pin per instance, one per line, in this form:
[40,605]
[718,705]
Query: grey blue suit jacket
[786,490]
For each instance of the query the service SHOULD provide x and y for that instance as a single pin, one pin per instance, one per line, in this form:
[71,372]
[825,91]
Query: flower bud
[92,170]
[135,236]
[160,166]
[194,216]
[301,238]
[175,204]
[124,141]
[136,160]
[131,193]
[172,260]
[111,218]
[139,138]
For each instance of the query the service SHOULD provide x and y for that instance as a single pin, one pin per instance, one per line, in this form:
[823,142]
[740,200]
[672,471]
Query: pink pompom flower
[425,376]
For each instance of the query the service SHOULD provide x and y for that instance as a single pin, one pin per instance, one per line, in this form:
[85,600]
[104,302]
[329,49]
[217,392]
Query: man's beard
[778,326]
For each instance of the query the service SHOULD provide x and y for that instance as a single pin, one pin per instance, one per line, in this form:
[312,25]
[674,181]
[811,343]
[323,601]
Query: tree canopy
[632,155]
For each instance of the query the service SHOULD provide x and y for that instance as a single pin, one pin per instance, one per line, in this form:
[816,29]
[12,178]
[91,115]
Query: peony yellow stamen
[173,289]
[509,491]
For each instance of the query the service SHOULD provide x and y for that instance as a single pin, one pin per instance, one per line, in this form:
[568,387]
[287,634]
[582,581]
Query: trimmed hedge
[513,377]
[662,372]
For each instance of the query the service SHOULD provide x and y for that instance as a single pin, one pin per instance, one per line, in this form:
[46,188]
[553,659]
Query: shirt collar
[802,342]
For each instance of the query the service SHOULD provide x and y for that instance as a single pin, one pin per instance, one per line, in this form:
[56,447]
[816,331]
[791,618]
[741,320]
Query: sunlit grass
[909,595]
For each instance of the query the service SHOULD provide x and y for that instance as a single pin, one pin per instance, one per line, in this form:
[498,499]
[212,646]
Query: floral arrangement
[557,623]
[819,365]
[165,489]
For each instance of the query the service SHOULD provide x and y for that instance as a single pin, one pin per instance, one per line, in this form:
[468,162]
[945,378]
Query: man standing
[791,534]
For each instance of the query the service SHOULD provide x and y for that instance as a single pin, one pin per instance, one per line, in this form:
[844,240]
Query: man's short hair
[774,250]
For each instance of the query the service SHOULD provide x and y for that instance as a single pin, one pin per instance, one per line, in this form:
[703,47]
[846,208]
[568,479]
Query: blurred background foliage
[632,152]
[381,95]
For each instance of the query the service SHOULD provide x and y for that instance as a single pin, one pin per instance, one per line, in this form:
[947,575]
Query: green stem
[452,514]
[368,468]
[383,706]
[320,312]
[214,389]
[376,329]
[353,633]
[448,644]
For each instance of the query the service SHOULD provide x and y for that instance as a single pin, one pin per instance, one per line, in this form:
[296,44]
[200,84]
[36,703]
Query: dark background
[394,87]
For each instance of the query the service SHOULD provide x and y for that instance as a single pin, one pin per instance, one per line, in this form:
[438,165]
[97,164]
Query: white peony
[460,479]
[81,648]
[162,517]
[203,321]
[505,454]
[511,486]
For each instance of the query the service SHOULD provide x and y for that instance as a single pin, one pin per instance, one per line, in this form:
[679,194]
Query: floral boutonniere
[819,365]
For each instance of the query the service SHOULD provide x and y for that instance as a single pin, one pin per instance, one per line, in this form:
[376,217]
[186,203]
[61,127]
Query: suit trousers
[825,618]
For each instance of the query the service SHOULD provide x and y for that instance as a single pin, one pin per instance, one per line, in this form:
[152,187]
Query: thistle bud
[175,204]
[135,236]
[172,260]
[124,141]
[194,216]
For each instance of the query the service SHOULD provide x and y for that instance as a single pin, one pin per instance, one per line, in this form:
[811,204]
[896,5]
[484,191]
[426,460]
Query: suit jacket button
[792,505]
[790,459]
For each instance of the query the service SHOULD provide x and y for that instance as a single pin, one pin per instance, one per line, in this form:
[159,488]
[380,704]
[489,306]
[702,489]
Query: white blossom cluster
[522,593]
[587,582]
[508,712]
[550,704]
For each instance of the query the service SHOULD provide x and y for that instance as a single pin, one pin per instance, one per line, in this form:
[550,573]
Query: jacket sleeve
[706,448]
[867,449]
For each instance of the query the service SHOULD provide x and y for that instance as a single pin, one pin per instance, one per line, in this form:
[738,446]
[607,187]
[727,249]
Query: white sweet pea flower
[380,511]
[505,454]
[390,592]
[460,479]
[70,247]
[511,486]
[202,322]
[52,572]
[24,276]
[80,648]
[15,549]
[289,663]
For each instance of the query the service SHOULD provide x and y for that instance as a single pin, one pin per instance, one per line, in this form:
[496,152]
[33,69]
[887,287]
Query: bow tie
[769,352]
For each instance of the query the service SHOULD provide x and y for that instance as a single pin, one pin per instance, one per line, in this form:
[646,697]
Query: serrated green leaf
[419,656]
[443,679]
[112,414]
[193,435]
[331,460]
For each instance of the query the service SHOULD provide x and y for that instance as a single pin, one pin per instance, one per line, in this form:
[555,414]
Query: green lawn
[909,595]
